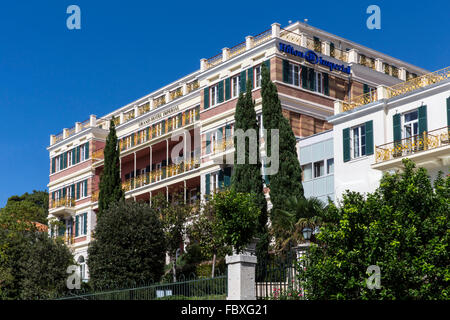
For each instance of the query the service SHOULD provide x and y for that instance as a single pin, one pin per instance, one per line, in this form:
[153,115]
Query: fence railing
[191,288]
[277,278]
[62,203]
[418,143]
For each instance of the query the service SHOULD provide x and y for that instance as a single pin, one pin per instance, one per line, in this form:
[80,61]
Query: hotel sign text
[312,57]
[159,116]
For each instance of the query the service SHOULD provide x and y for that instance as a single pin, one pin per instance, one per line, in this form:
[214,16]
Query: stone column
[326,47]
[382,92]
[202,64]
[77,127]
[379,65]
[225,54]
[338,106]
[92,120]
[248,42]
[275,30]
[402,74]
[241,276]
[353,56]
[52,139]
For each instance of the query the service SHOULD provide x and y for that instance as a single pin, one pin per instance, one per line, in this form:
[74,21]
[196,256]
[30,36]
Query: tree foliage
[110,181]
[32,265]
[247,176]
[288,223]
[28,207]
[288,178]
[403,228]
[237,218]
[128,246]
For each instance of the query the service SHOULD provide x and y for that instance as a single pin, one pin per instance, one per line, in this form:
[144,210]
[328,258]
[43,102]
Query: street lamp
[307,232]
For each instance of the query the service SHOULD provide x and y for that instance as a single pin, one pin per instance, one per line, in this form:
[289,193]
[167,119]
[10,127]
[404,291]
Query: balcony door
[411,130]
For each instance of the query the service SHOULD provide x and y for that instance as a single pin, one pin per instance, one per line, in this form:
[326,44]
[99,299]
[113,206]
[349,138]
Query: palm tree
[300,213]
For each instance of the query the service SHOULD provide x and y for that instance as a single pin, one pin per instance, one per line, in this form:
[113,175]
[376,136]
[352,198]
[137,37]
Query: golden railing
[144,108]
[400,88]
[418,143]
[59,137]
[262,37]
[98,154]
[419,82]
[94,195]
[128,116]
[193,86]
[176,93]
[237,49]
[361,100]
[290,36]
[62,203]
[222,146]
[159,101]
[213,61]
[160,174]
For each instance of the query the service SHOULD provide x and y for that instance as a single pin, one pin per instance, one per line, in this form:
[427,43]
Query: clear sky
[51,77]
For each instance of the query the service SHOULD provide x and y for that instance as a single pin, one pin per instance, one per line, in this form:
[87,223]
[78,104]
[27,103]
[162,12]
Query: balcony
[160,174]
[62,206]
[430,149]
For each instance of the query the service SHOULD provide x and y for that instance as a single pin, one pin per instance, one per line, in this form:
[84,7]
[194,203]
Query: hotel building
[311,68]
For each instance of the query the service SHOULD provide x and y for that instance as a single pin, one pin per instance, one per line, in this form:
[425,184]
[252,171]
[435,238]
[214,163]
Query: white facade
[317,161]
[362,173]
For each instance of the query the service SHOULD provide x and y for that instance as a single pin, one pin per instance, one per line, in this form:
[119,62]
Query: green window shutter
[369,137]
[61,230]
[180,119]
[346,143]
[227,177]
[74,156]
[208,143]
[53,164]
[132,140]
[78,191]
[78,154]
[311,79]
[326,89]
[206,98]
[221,179]
[285,71]
[163,126]
[397,127]
[365,88]
[72,192]
[220,88]
[423,127]
[65,160]
[227,131]
[227,89]
[267,63]
[207,183]
[85,223]
[243,80]
[197,113]
[77,222]
[250,76]
[304,77]
[64,192]
[85,188]
[86,151]
[448,111]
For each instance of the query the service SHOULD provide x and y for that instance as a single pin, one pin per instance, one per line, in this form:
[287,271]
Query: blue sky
[51,77]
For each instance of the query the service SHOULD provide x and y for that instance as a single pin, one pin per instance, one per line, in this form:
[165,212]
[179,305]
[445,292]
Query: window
[318,169]
[235,86]
[82,264]
[319,82]
[359,141]
[294,74]
[411,124]
[81,224]
[307,172]
[258,76]
[330,166]
[214,95]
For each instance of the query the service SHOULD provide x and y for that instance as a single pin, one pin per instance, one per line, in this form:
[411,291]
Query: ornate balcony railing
[213,61]
[418,143]
[361,100]
[237,49]
[62,203]
[193,86]
[419,82]
[94,195]
[160,174]
[262,37]
[223,146]
[98,154]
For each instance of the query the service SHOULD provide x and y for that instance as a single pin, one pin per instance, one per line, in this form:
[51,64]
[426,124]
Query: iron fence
[191,288]
[277,278]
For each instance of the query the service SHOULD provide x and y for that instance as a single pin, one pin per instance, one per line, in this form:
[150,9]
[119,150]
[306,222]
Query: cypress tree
[247,177]
[110,182]
[288,180]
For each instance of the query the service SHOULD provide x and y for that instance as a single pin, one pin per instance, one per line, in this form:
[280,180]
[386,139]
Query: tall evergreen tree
[110,182]
[247,177]
[288,180]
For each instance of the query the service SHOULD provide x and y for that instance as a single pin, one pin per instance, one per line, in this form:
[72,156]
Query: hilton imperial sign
[312,57]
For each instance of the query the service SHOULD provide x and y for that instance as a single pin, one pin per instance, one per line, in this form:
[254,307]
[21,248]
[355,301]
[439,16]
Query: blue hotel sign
[312,57]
